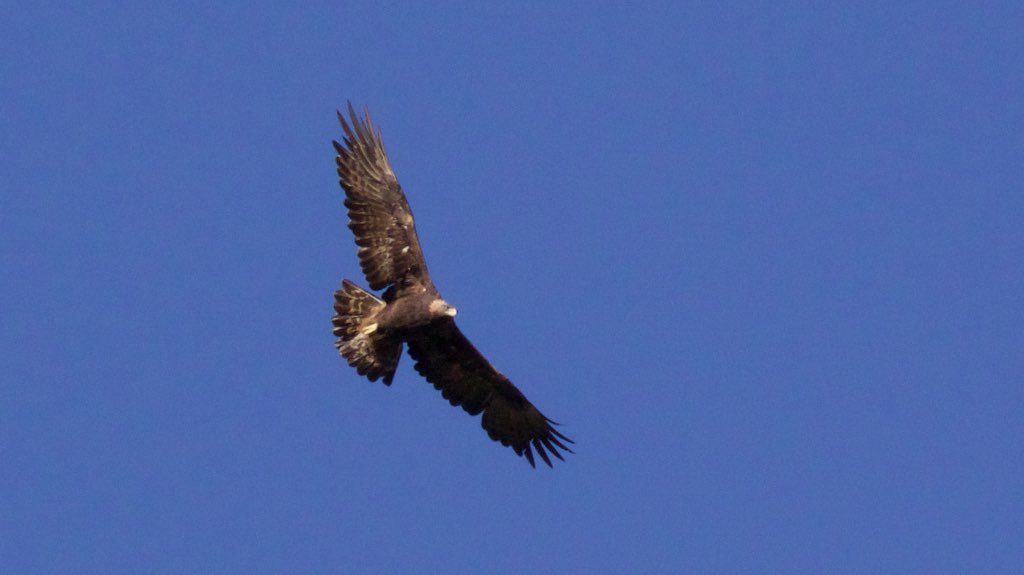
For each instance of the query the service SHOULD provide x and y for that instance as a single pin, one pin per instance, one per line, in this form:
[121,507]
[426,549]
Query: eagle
[371,330]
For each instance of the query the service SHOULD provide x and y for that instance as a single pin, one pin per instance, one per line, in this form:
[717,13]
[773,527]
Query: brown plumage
[371,330]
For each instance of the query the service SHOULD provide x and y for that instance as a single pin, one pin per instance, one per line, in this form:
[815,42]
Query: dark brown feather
[379,215]
[465,378]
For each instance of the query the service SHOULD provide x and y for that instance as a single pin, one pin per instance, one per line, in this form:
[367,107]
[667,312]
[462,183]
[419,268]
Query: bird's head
[439,307]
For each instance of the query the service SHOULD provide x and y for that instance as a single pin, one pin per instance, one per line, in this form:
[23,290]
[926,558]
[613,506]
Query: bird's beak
[450,312]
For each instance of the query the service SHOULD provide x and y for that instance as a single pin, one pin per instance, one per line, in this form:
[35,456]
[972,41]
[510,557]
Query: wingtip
[529,457]
[543,454]
[544,445]
[369,121]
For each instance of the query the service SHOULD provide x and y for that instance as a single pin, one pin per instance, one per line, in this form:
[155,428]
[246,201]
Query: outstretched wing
[465,378]
[378,212]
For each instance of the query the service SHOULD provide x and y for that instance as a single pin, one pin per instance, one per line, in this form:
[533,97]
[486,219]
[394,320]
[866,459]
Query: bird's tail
[372,353]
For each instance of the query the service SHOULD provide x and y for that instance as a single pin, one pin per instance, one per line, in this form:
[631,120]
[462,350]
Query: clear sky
[763,263]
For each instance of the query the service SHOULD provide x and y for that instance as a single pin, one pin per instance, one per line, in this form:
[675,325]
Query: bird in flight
[371,330]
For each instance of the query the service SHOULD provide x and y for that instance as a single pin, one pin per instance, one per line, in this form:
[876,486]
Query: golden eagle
[371,330]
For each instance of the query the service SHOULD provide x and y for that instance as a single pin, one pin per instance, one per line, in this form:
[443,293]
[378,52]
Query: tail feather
[355,325]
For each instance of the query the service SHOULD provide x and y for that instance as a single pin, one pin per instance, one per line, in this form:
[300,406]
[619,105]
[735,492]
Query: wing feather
[447,359]
[378,212]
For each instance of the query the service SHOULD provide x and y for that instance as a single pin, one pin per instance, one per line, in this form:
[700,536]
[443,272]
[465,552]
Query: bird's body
[404,316]
[371,331]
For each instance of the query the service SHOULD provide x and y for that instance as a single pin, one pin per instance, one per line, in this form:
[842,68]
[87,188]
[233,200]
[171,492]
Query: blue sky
[763,262]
